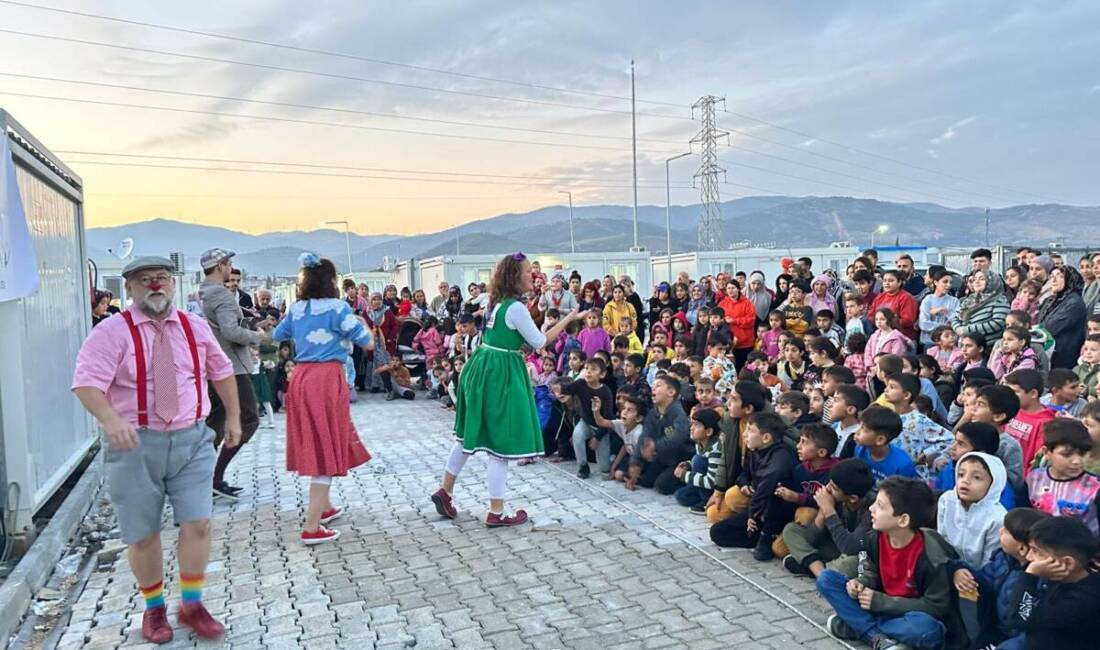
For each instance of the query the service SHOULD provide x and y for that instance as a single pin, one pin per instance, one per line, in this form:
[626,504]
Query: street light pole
[347,241]
[634,151]
[668,216]
[572,244]
[881,230]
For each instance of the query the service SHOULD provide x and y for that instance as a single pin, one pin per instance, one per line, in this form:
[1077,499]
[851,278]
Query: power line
[886,158]
[233,161]
[288,120]
[336,109]
[330,75]
[583,184]
[812,180]
[342,55]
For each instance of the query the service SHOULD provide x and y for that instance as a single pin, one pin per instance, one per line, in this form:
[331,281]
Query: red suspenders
[139,360]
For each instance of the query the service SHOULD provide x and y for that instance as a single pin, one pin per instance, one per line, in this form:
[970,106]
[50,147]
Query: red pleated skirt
[321,439]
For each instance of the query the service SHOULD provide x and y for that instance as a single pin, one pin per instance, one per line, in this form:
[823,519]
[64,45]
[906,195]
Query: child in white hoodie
[971,515]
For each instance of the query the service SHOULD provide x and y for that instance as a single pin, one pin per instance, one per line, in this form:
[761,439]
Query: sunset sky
[986,103]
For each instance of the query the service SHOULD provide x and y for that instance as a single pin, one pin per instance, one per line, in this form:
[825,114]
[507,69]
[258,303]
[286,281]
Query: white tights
[497,474]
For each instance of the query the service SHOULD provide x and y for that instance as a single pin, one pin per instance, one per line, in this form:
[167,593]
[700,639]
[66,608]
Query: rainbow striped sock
[191,588]
[153,595]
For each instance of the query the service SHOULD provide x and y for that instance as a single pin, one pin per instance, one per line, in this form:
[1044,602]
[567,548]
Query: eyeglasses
[161,278]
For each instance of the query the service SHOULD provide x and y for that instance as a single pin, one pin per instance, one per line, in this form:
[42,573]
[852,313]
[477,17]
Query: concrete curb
[32,572]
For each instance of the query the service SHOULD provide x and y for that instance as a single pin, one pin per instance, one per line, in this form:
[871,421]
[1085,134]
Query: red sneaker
[332,514]
[319,536]
[497,521]
[154,625]
[200,621]
[443,504]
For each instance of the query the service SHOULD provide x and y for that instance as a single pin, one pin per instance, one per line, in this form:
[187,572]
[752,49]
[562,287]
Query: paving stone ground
[600,567]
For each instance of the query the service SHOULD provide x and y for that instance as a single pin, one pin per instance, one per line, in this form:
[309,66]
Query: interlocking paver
[600,567]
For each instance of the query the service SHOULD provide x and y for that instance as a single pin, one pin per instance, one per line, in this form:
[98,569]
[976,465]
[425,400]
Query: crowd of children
[881,432]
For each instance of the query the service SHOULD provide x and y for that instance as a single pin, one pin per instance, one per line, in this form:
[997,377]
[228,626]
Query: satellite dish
[125,247]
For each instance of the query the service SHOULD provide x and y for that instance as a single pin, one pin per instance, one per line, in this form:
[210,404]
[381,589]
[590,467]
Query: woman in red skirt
[321,441]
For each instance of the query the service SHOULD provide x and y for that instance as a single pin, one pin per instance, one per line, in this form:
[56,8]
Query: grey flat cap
[147,262]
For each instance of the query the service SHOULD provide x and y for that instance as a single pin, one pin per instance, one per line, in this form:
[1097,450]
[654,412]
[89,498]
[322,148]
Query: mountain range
[772,220]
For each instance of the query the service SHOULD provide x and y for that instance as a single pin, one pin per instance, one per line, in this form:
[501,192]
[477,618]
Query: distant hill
[781,220]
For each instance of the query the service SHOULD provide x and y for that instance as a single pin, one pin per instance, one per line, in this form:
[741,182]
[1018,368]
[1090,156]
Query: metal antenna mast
[710,219]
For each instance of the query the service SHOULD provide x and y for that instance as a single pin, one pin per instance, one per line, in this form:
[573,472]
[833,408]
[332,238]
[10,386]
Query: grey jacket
[223,313]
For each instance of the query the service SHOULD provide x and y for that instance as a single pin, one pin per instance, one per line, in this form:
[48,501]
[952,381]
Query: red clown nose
[155,286]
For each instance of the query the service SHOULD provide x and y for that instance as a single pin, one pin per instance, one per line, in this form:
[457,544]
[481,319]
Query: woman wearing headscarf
[760,296]
[1064,314]
[820,295]
[383,324]
[782,288]
[697,301]
[452,306]
[984,309]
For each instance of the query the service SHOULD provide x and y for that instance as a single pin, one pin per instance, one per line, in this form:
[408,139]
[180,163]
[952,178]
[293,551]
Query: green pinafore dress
[495,404]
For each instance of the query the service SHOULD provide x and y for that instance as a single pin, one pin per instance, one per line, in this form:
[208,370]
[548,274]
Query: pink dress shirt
[106,361]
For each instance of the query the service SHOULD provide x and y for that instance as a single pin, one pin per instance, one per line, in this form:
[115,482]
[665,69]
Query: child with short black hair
[1088,370]
[828,328]
[706,397]
[770,465]
[1090,417]
[879,426]
[657,353]
[902,594]
[816,446]
[997,404]
[1064,393]
[1062,487]
[1058,596]
[856,343]
[921,438]
[587,434]
[628,427]
[699,473]
[634,377]
[995,583]
[792,368]
[1027,426]
[842,521]
[848,402]
[745,400]
[794,407]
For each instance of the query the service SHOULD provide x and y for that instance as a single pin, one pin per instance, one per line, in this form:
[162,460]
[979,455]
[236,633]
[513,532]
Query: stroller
[412,359]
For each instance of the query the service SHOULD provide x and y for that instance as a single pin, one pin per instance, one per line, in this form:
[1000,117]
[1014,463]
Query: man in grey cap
[226,318]
[144,377]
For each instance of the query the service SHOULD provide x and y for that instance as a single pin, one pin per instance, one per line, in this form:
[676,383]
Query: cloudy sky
[444,112]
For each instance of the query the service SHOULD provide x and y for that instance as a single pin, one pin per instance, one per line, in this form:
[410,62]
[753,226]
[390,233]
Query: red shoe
[443,504]
[200,621]
[497,521]
[319,536]
[332,514]
[154,625]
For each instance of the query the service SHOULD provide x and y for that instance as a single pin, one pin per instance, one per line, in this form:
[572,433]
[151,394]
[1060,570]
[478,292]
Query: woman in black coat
[1064,316]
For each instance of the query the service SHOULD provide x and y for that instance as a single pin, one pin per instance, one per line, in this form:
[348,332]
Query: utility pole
[634,151]
[668,213]
[572,244]
[987,227]
[710,219]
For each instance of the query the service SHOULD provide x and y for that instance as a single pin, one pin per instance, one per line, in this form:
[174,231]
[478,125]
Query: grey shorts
[177,465]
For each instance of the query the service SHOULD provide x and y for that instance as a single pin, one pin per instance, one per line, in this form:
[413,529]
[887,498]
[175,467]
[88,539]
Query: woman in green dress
[495,404]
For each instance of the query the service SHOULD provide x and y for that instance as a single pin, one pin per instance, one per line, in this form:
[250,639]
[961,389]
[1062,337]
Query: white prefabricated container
[766,260]
[44,431]
[465,269]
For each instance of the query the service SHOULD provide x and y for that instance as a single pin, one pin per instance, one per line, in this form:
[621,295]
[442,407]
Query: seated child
[1027,426]
[628,427]
[794,407]
[706,397]
[822,354]
[770,465]
[946,351]
[575,368]
[657,354]
[627,329]
[970,437]
[745,400]
[828,328]
[1088,370]
[792,369]
[1058,596]
[832,377]
[396,380]
[699,473]
[558,432]
[997,405]
[587,434]
[879,426]
[815,448]
[842,521]
[718,366]
[1090,417]
[1014,353]
[1064,393]
[1062,487]
[921,438]
[996,582]
[903,593]
[970,516]
[634,378]
[856,344]
[848,402]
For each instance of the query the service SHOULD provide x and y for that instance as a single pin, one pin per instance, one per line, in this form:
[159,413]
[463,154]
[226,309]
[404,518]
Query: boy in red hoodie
[1027,426]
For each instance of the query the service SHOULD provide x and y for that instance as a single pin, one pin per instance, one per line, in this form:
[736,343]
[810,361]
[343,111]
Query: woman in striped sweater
[984,309]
